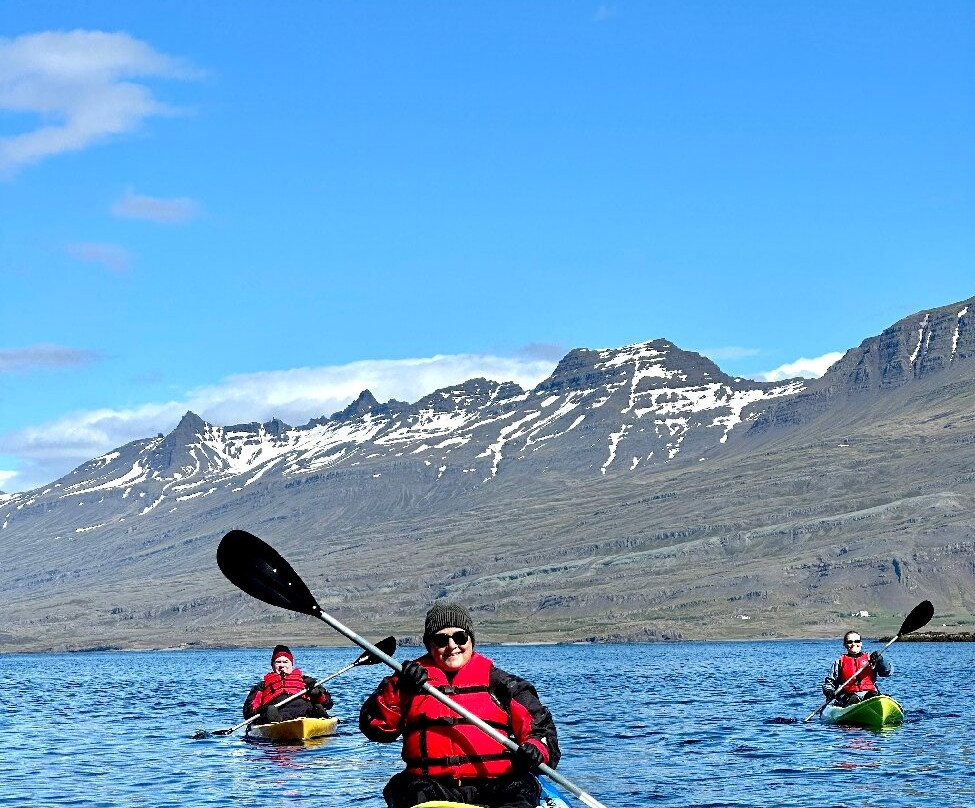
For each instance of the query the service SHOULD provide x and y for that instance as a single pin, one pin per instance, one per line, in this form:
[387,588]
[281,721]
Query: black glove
[528,757]
[248,709]
[829,691]
[875,658]
[412,678]
[320,697]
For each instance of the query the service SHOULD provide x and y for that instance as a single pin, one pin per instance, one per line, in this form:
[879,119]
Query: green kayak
[880,711]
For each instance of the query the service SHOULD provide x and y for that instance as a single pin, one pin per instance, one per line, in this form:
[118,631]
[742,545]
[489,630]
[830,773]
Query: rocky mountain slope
[637,493]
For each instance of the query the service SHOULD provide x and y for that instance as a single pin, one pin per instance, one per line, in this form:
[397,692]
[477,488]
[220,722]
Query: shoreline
[410,642]
[112,649]
[935,636]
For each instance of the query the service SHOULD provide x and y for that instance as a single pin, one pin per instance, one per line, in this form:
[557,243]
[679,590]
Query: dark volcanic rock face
[923,343]
[639,493]
[931,342]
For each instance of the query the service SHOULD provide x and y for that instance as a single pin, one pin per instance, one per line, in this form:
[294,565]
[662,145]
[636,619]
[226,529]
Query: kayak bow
[877,712]
[297,729]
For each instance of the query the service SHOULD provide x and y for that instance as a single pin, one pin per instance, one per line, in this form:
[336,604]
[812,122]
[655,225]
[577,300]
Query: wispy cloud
[81,86]
[604,12]
[43,356]
[112,256]
[154,209]
[807,368]
[303,393]
[48,451]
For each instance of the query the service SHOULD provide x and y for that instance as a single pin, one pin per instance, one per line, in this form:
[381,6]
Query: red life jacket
[437,742]
[277,686]
[849,665]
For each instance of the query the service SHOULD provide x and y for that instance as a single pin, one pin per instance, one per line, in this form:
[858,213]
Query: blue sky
[251,209]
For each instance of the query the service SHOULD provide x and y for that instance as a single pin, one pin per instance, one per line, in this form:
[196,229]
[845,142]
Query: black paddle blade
[919,616]
[258,569]
[387,646]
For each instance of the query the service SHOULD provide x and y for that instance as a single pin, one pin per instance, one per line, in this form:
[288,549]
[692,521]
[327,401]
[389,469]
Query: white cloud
[48,451]
[80,86]
[112,256]
[297,395]
[154,209]
[806,368]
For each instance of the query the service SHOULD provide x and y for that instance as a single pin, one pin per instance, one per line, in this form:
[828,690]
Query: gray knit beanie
[445,615]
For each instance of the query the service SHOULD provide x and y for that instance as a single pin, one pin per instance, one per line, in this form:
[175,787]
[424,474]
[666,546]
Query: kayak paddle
[387,646]
[919,617]
[259,570]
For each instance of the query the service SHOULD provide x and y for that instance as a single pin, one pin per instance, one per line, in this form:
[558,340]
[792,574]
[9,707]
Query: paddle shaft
[814,713]
[504,740]
[292,697]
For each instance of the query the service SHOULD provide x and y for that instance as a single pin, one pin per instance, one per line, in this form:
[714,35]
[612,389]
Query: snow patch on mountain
[957,333]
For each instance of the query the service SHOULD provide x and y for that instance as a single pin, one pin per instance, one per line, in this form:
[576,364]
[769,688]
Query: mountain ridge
[638,492]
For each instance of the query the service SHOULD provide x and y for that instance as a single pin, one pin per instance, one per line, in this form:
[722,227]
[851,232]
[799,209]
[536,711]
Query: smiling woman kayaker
[447,757]
[859,668]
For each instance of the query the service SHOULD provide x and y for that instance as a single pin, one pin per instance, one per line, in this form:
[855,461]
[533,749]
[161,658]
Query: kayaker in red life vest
[447,757]
[855,663]
[283,681]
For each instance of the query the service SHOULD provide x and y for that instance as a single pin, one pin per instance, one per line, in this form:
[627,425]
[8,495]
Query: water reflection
[290,754]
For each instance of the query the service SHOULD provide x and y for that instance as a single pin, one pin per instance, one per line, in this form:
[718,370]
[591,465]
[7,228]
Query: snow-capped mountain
[614,495]
[601,412]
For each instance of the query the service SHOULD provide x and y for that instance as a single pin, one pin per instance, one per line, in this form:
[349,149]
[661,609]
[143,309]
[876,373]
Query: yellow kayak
[551,798]
[545,803]
[297,729]
[442,804]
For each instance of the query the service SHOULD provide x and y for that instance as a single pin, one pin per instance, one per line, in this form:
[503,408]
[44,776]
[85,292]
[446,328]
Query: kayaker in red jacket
[447,757]
[862,667]
[285,680]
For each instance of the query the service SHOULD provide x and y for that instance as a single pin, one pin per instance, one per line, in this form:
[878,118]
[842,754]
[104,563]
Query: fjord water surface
[715,725]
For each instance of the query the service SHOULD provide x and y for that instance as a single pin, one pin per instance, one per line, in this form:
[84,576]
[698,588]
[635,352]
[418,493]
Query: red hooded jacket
[439,743]
[275,686]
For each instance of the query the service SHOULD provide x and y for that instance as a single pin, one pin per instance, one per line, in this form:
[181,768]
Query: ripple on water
[684,724]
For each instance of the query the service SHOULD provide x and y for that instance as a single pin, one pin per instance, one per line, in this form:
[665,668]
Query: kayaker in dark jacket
[285,680]
[863,669]
[447,757]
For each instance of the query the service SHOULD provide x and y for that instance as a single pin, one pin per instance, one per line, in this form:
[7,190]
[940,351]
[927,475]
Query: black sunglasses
[459,637]
[852,642]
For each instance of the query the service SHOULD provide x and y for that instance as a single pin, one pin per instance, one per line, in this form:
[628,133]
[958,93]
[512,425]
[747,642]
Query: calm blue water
[686,724]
